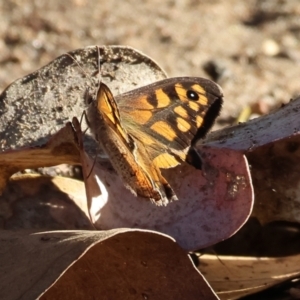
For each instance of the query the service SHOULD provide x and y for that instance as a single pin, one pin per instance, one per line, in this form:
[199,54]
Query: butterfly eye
[192,95]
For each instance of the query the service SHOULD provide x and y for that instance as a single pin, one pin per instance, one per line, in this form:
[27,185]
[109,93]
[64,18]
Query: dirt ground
[251,48]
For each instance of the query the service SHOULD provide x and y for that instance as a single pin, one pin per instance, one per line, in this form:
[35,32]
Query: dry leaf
[127,264]
[249,136]
[61,148]
[271,144]
[232,277]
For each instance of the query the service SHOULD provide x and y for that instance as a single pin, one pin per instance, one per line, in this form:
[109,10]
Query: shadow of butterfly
[152,128]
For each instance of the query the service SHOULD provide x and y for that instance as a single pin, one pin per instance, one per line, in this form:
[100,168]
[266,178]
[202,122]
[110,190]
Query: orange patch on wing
[179,110]
[142,103]
[194,106]
[165,130]
[183,125]
[202,100]
[141,117]
[162,98]
[181,91]
[109,110]
[198,88]
[199,121]
[107,105]
[165,161]
[105,108]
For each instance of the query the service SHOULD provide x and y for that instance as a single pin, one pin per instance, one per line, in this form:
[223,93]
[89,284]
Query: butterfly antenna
[86,118]
[99,71]
[99,63]
[90,77]
[80,67]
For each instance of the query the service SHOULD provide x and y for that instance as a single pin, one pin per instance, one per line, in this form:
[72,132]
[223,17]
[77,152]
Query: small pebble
[270,48]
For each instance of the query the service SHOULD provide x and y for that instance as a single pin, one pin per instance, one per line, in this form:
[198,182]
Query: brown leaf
[246,137]
[233,277]
[271,144]
[115,264]
[61,148]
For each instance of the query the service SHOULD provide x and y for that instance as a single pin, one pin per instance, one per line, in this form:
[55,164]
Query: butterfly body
[153,128]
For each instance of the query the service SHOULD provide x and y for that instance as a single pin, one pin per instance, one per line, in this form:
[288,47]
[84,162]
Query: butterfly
[152,128]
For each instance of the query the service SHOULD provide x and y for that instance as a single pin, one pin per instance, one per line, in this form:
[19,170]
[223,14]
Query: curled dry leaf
[247,137]
[271,143]
[86,264]
[61,148]
[233,277]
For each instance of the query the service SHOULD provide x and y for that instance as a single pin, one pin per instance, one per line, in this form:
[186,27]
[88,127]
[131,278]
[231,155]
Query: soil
[251,48]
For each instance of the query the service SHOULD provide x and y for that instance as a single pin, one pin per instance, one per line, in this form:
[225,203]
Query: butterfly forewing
[169,115]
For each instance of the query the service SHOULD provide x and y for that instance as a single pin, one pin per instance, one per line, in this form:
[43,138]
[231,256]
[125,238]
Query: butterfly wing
[169,116]
[154,127]
[127,158]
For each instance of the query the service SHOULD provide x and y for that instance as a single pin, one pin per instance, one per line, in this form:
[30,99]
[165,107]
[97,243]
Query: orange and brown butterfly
[154,127]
